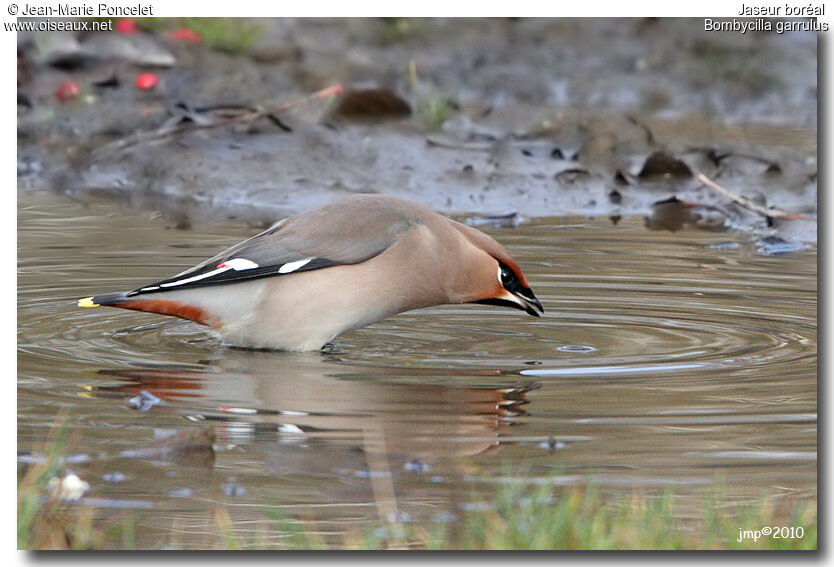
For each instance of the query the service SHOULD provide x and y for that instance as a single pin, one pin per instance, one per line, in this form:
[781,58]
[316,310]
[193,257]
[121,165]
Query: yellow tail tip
[87,302]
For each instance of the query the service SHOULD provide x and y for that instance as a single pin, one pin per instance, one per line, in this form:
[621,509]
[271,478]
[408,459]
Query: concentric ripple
[647,302]
[662,359]
[615,298]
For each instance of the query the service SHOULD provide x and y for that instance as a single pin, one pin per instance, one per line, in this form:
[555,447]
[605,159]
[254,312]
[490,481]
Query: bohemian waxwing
[310,277]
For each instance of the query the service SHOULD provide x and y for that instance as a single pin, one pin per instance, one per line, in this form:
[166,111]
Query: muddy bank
[535,117]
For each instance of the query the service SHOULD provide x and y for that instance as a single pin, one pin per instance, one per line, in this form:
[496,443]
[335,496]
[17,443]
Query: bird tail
[152,304]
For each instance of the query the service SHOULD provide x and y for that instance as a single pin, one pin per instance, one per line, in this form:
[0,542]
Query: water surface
[682,360]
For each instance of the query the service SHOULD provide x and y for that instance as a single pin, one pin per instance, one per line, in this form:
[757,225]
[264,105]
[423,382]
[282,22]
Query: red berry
[127,26]
[146,81]
[68,91]
[186,34]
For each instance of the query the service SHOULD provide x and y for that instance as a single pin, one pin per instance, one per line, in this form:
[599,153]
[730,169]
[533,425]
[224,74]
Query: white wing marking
[197,278]
[293,266]
[238,264]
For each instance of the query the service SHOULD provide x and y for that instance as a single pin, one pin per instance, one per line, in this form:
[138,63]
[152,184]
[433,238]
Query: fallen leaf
[68,91]
[663,165]
[146,81]
[369,105]
[127,26]
[186,34]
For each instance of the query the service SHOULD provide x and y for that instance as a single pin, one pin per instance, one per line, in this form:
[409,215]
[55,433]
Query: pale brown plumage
[313,276]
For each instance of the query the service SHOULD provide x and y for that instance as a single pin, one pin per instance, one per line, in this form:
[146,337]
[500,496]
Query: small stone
[774,245]
[143,401]
[551,444]
[114,477]
[68,488]
[416,466]
[724,246]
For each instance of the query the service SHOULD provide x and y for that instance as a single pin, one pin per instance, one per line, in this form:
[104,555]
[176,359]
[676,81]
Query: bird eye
[508,277]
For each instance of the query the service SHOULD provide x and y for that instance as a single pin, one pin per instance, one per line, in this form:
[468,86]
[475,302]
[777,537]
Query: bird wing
[339,234]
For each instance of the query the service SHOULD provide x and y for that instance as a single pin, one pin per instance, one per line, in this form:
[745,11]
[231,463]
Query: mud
[537,117]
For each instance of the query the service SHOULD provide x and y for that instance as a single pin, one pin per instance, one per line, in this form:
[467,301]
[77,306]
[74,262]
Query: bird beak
[527,301]
[524,300]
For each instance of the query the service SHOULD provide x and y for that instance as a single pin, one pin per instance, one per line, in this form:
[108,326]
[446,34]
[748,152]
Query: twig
[332,90]
[748,204]
[176,126]
[441,142]
[195,119]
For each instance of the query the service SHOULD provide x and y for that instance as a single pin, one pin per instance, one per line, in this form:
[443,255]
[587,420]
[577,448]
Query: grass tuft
[231,35]
[431,110]
[512,515]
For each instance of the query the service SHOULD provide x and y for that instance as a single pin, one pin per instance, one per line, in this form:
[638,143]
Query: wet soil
[539,117]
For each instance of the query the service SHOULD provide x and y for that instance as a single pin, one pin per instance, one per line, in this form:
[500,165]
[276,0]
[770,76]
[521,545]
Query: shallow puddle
[683,360]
